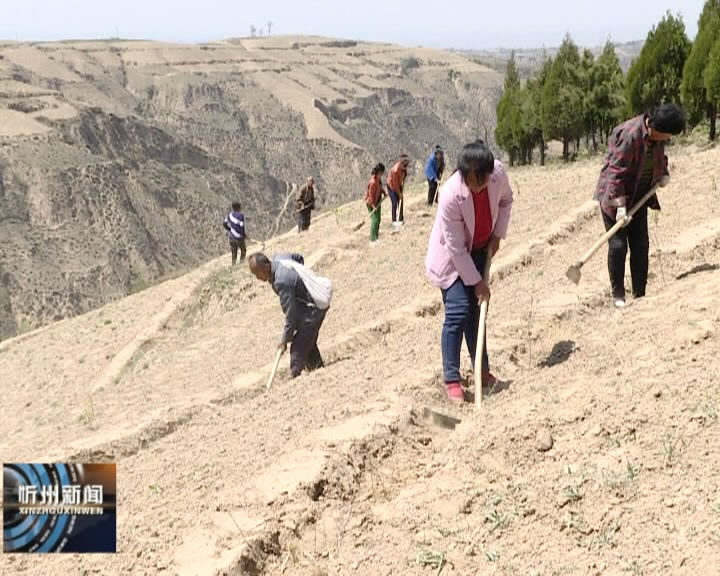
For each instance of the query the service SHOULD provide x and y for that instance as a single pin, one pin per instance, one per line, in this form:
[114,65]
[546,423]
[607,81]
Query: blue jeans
[462,318]
[395,200]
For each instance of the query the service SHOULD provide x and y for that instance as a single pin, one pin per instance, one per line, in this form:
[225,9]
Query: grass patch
[573,493]
[621,483]
[214,286]
[23,327]
[88,418]
[671,449]
[156,488]
[605,537]
[138,282]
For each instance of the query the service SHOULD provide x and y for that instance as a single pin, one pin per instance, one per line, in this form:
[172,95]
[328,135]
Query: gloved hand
[664,181]
[622,215]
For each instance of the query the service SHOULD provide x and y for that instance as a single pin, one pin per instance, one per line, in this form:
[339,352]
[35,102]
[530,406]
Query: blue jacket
[235,225]
[431,167]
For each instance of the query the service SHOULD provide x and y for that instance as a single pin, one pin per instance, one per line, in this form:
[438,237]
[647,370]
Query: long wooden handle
[480,345]
[274,369]
[370,215]
[619,224]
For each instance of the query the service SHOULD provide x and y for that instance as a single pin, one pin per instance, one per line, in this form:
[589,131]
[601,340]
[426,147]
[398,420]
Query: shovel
[573,272]
[437,189]
[480,346]
[274,368]
[370,215]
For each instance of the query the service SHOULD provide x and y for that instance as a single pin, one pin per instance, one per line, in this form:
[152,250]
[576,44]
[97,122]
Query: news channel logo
[59,508]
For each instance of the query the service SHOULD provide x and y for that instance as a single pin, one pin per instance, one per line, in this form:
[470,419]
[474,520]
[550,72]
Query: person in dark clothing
[303,319]
[433,172]
[235,225]
[305,203]
[636,161]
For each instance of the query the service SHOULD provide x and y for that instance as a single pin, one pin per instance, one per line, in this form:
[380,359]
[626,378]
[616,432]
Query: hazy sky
[435,23]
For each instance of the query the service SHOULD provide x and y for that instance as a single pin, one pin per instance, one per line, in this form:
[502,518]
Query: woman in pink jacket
[473,215]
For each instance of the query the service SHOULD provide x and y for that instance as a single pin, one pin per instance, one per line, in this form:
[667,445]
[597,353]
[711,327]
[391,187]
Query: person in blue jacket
[234,223]
[433,172]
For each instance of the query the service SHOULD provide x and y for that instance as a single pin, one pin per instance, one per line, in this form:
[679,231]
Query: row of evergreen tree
[576,96]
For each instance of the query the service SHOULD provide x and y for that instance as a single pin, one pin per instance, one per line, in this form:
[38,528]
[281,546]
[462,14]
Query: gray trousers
[304,353]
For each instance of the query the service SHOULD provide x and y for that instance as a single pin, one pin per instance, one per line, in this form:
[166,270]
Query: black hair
[379,169]
[236,206]
[260,259]
[668,118]
[477,158]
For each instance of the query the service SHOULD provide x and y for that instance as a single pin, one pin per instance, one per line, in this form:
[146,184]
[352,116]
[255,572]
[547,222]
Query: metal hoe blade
[573,273]
[439,419]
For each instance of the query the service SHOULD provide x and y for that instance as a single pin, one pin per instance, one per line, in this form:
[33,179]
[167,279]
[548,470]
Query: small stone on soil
[544,440]
[425,440]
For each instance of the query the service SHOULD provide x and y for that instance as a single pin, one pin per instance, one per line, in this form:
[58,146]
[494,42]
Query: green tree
[530,111]
[525,121]
[503,129]
[656,74]
[588,72]
[508,112]
[694,92]
[712,83]
[536,88]
[562,101]
[608,90]
[512,78]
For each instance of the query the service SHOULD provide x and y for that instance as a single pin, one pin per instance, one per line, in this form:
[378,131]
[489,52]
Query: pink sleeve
[505,206]
[452,227]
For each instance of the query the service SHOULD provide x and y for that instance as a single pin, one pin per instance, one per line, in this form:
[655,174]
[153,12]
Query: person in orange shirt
[395,185]
[373,200]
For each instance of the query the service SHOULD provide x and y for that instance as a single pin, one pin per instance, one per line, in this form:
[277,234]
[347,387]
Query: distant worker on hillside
[636,161]
[234,223]
[396,186]
[304,298]
[473,215]
[433,172]
[305,203]
[373,199]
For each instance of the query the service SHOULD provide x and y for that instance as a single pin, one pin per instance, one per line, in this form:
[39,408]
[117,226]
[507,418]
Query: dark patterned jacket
[620,175]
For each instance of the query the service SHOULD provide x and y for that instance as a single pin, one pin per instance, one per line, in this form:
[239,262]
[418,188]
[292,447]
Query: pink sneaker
[455,392]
